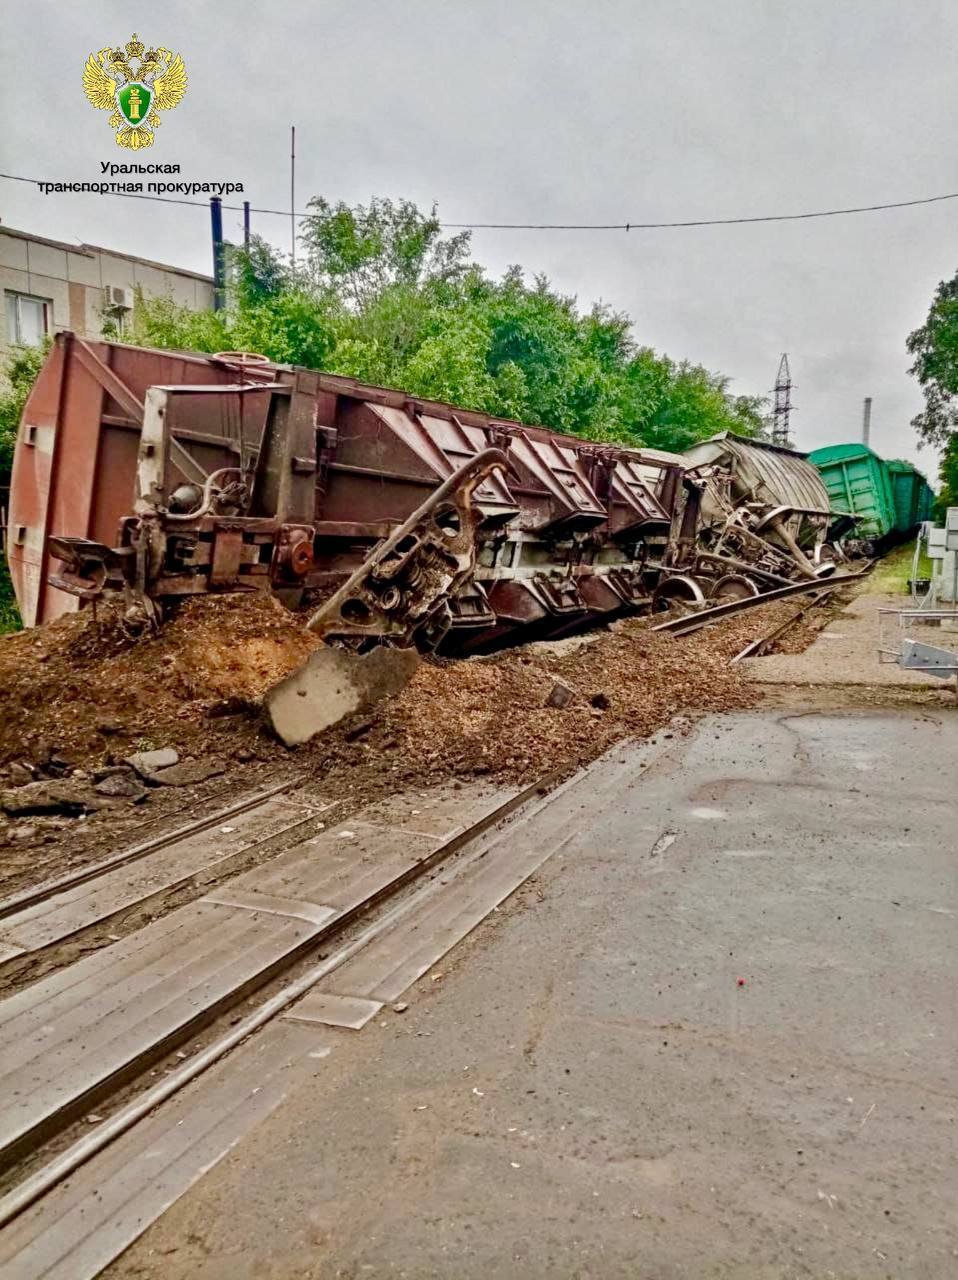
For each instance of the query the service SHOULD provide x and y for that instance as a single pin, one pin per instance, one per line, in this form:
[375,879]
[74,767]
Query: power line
[570,226]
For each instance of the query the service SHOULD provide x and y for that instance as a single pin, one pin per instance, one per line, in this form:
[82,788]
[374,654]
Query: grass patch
[890,576]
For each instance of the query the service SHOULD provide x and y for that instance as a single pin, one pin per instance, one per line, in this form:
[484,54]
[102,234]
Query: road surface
[715,1036]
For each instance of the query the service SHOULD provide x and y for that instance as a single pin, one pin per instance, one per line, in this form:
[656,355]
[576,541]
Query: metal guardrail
[910,643]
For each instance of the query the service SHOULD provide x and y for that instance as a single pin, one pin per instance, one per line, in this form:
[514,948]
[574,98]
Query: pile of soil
[81,685]
[83,693]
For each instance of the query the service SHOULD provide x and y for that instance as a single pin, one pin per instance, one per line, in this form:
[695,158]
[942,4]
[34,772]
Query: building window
[28,319]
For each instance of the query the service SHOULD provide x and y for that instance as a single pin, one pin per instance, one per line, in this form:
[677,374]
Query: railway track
[762,643]
[685,624]
[46,924]
[323,932]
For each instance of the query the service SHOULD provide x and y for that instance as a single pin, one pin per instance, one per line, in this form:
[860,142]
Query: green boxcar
[858,482]
[913,495]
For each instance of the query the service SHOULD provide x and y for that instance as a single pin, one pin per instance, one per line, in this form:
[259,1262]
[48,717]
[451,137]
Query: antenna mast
[783,404]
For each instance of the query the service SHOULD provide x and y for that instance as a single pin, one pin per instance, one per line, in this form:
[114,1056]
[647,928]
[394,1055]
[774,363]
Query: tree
[269,311]
[20,369]
[948,473]
[359,253]
[385,298]
[935,348]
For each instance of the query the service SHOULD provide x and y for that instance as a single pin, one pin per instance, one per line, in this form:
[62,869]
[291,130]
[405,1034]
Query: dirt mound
[81,692]
[81,687]
[494,714]
[80,683]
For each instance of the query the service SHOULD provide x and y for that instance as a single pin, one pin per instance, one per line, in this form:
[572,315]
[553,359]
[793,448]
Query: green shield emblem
[134,100]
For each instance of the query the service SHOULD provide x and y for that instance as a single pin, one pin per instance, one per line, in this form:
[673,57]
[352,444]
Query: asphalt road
[717,1035]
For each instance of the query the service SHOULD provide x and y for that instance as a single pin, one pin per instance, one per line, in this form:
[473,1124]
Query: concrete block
[332,684]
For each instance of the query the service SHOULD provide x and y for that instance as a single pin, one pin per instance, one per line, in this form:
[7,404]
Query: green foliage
[359,253]
[948,474]
[9,613]
[382,296]
[935,348]
[268,312]
[19,370]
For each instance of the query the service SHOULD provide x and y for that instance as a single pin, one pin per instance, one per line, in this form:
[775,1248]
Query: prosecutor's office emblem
[136,86]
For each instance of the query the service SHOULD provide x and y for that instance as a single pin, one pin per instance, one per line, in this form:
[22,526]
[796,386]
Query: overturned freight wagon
[161,475]
[765,507]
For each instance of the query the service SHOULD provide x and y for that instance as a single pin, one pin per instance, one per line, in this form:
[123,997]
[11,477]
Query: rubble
[188,773]
[121,784]
[455,719]
[146,763]
[560,695]
[48,797]
[98,696]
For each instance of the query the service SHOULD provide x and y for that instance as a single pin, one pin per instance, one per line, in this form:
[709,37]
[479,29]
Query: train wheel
[678,591]
[734,586]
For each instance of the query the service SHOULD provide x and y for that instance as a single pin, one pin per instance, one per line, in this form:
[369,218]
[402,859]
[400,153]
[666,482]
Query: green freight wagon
[858,482]
[913,495]
[888,499]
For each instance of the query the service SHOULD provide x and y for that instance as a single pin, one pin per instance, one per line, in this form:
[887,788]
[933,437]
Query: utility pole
[867,420]
[219,262]
[292,192]
[783,405]
[246,225]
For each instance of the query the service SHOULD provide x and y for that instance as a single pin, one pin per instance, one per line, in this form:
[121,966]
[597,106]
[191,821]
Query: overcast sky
[552,111]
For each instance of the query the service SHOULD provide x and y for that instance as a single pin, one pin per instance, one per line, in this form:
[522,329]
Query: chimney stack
[867,420]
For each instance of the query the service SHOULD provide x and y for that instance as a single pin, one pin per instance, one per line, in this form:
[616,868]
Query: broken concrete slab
[332,684]
[187,773]
[49,797]
[121,786]
[149,762]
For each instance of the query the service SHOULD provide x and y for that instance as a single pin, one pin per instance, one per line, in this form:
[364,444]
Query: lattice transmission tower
[781,413]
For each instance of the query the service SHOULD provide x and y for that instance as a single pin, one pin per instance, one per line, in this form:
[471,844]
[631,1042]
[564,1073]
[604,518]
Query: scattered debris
[401,1007]
[146,763]
[560,695]
[48,797]
[188,773]
[120,784]
[81,682]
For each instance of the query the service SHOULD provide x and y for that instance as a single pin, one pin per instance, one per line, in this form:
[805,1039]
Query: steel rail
[692,622]
[40,892]
[756,647]
[33,1188]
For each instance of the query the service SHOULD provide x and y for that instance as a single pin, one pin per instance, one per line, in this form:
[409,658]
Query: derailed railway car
[162,474]
[888,500]
[765,507]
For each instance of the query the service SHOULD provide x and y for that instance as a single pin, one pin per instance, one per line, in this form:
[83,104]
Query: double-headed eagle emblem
[137,94]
